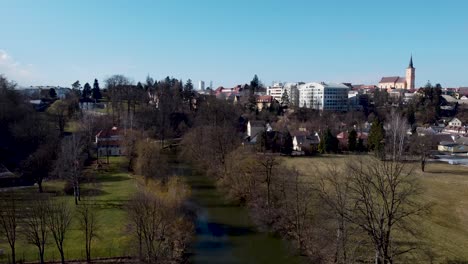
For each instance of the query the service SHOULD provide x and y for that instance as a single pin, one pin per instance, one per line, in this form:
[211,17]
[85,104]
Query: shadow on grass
[93,192]
[110,178]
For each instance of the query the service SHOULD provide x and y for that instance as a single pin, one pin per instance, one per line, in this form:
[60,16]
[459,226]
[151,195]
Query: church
[396,82]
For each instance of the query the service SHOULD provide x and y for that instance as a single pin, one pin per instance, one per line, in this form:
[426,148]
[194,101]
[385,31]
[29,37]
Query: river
[225,232]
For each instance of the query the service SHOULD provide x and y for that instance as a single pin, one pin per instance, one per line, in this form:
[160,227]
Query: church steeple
[410,75]
[411,62]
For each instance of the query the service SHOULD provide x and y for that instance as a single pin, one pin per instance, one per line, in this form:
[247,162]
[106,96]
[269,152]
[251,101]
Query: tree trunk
[41,254]
[75,194]
[78,191]
[62,255]
[13,254]
[39,184]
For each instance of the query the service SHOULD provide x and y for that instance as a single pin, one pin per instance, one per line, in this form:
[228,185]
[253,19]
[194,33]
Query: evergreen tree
[76,85]
[360,145]
[288,143]
[149,83]
[52,93]
[376,136]
[352,140]
[255,83]
[139,86]
[86,91]
[329,143]
[96,93]
[188,89]
[262,141]
[285,98]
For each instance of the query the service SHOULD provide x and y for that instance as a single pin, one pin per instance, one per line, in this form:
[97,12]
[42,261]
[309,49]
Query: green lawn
[109,190]
[445,185]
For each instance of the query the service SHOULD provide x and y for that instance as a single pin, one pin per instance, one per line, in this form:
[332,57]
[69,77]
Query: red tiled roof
[264,98]
[392,79]
[107,133]
[109,143]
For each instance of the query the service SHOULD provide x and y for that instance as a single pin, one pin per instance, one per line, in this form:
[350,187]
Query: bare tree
[421,146]
[36,225]
[268,164]
[87,216]
[136,211]
[385,195]
[9,222]
[396,134]
[335,194]
[59,219]
[70,162]
[150,163]
[130,146]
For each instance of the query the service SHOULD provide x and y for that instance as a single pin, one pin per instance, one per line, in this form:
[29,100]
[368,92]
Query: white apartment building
[278,89]
[323,96]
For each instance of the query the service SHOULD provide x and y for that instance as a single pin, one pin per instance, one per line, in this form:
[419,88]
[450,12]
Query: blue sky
[57,42]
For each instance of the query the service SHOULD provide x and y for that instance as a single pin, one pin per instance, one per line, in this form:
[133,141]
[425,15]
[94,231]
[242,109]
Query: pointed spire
[411,62]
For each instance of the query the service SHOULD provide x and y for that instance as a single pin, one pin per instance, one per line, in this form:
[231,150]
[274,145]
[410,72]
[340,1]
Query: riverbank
[224,230]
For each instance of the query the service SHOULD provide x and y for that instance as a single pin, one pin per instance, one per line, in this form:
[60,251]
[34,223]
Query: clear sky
[48,42]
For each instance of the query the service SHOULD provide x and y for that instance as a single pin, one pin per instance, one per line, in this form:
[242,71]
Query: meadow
[444,185]
[109,188]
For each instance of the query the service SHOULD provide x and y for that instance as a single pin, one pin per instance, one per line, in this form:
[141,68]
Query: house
[455,122]
[343,138]
[264,101]
[254,128]
[7,178]
[305,141]
[426,131]
[109,142]
[452,147]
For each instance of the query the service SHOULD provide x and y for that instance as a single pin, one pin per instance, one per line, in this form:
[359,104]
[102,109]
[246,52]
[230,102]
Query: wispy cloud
[15,70]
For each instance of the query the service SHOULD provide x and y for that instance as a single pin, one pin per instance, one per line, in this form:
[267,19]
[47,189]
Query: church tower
[410,75]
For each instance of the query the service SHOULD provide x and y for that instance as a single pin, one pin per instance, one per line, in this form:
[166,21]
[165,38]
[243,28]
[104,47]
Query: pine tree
[52,93]
[255,83]
[96,92]
[285,98]
[329,143]
[376,136]
[288,143]
[86,91]
[352,138]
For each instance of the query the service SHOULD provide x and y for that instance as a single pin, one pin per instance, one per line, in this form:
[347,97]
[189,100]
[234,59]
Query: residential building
[305,141]
[455,122]
[264,101]
[109,142]
[452,147]
[277,90]
[323,96]
[201,85]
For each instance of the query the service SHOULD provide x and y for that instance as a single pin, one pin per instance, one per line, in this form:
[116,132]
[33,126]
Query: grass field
[109,190]
[445,185]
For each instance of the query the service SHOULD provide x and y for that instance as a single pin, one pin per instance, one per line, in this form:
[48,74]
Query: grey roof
[462,140]
[257,123]
[5,173]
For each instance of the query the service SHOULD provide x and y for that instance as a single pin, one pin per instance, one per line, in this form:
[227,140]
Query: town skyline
[57,43]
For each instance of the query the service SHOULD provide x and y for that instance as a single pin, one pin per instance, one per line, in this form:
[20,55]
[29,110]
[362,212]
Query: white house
[304,140]
[108,142]
[455,122]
